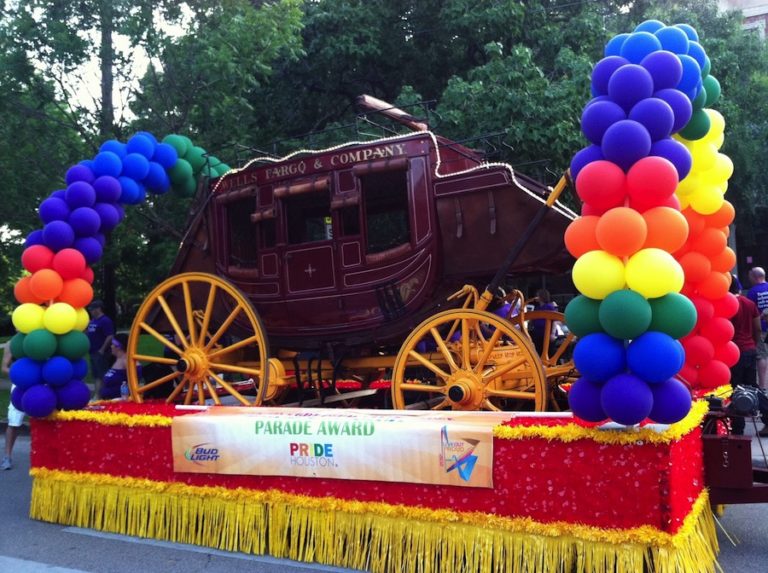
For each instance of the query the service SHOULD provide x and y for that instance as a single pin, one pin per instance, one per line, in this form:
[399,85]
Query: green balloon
[17,345]
[222,168]
[40,344]
[673,314]
[700,99]
[582,316]
[186,188]
[625,314]
[196,158]
[697,127]
[180,172]
[707,67]
[213,161]
[178,142]
[73,345]
[209,172]
[712,86]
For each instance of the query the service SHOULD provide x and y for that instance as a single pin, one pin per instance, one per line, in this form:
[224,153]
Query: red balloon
[77,293]
[69,263]
[696,223]
[698,350]
[705,309]
[728,353]
[602,184]
[45,284]
[696,266]
[580,236]
[673,202]
[715,286]
[718,330]
[688,374]
[88,275]
[709,242]
[23,293]
[37,257]
[651,181]
[727,306]
[714,374]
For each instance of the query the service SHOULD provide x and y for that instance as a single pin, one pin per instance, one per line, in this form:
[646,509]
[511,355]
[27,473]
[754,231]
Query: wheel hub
[194,363]
[465,390]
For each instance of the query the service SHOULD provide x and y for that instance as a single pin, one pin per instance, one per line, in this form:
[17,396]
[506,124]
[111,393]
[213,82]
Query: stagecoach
[380,268]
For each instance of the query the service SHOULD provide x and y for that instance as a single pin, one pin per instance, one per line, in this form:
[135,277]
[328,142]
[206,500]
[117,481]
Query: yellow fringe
[111,418]
[572,432]
[374,536]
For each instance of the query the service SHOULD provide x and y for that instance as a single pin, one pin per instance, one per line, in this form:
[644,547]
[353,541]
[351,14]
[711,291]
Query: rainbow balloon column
[650,85]
[50,345]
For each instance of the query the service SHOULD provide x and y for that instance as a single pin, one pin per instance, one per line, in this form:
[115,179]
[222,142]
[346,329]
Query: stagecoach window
[308,217]
[242,243]
[385,195]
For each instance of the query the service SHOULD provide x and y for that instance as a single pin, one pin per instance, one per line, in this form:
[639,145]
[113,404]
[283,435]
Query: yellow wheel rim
[479,362]
[210,326]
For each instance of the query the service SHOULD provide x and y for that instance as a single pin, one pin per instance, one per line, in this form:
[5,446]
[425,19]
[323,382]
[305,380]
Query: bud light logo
[199,454]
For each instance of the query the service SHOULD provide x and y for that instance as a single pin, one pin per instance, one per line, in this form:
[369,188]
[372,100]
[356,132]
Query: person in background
[537,326]
[117,374]
[15,417]
[100,331]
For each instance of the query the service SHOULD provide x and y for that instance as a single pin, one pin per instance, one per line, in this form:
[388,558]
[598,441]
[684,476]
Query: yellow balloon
[722,169]
[688,185]
[684,202]
[654,273]
[703,155]
[706,200]
[718,142]
[597,274]
[28,317]
[716,125]
[81,323]
[60,318]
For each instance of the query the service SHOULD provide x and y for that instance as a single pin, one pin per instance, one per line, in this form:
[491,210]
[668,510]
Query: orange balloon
[725,261]
[722,217]
[696,222]
[710,242]
[695,266]
[580,236]
[667,229]
[78,293]
[45,284]
[621,231]
[715,286]
[23,293]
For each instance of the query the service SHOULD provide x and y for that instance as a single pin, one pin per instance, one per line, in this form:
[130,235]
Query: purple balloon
[17,395]
[626,399]
[165,155]
[114,146]
[626,142]
[680,104]
[85,222]
[656,115]
[108,216]
[613,47]
[74,395]
[79,173]
[107,163]
[135,165]
[157,179]
[673,39]
[107,189]
[142,145]
[665,69]
[34,238]
[603,71]
[598,117]
[696,51]
[676,153]
[90,248]
[584,157]
[629,84]
[80,194]
[671,401]
[691,74]
[39,401]
[584,399]
[638,46]
[58,235]
[53,209]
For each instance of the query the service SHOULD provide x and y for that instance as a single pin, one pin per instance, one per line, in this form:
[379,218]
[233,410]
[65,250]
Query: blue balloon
[25,373]
[157,179]
[80,194]
[626,399]
[73,395]
[129,190]
[17,395]
[665,69]
[108,216]
[673,39]
[696,51]
[135,165]
[79,172]
[107,189]
[639,45]
[629,84]
[584,399]
[691,74]
[676,153]
[143,145]
[671,401]
[148,135]
[598,117]
[39,401]
[603,71]
[60,194]
[85,221]
[107,163]
[57,371]
[88,163]
[114,146]
[58,235]
[34,238]
[613,47]
[165,155]
[90,248]
[79,369]
[53,209]
[649,26]
[655,356]
[584,157]
[655,115]
[625,143]
[101,238]
[690,31]
[599,356]
[680,104]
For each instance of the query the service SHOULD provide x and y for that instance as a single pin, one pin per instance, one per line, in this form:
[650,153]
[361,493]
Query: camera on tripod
[745,401]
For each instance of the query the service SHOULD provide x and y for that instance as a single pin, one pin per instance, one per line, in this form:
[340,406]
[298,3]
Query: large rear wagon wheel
[466,359]
[212,344]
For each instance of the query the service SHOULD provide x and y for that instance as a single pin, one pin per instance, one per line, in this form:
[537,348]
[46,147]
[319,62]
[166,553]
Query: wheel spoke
[212,392]
[489,346]
[501,370]
[465,340]
[253,372]
[230,389]
[155,359]
[207,315]
[443,405]
[406,387]
[443,349]
[188,309]
[488,405]
[161,338]
[158,382]
[235,346]
[515,394]
[190,390]
[201,391]
[176,391]
[545,343]
[563,347]
[223,328]
[427,364]
[172,320]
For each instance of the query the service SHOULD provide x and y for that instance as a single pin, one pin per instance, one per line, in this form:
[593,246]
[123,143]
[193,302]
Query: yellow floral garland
[112,418]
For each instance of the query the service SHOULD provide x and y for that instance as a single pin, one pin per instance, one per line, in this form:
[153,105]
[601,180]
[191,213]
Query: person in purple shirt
[100,331]
[759,295]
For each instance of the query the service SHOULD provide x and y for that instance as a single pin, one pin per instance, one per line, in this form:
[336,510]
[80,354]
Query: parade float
[377,274]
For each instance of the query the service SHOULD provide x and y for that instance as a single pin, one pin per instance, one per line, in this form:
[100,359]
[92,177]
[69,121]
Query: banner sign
[445,448]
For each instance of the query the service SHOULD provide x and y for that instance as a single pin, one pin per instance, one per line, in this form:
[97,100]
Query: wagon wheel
[205,354]
[556,355]
[479,362]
